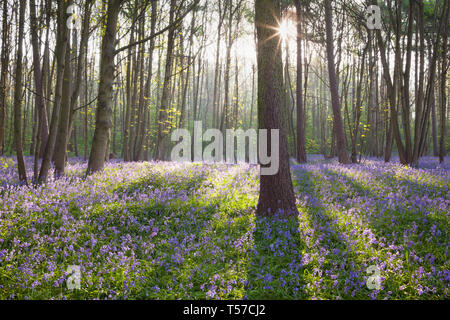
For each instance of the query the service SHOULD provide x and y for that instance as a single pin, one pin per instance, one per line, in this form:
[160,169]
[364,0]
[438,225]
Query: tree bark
[391,92]
[61,44]
[335,103]
[105,91]
[3,75]
[18,98]
[59,156]
[443,88]
[301,151]
[276,191]
[163,109]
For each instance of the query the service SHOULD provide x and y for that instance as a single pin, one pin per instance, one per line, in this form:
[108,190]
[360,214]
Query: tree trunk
[146,134]
[46,80]
[62,135]
[163,109]
[358,108]
[224,123]
[215,122]
[126,144]
[443,25]
[4,75]
[443,88]
[276,191]
[335,103]
[301,152]
[40,103]
[105,91]
[391,92]
[18,98]
[60,54]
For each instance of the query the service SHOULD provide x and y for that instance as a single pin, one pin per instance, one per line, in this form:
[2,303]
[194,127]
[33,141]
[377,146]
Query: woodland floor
[189,231]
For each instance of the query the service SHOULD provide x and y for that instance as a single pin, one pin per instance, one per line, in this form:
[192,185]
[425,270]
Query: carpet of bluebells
[189,231]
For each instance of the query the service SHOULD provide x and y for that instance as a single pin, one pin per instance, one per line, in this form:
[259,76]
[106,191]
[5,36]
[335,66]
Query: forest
[224,149]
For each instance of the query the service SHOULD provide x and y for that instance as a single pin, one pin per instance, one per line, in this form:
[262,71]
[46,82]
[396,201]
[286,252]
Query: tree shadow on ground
[305,257]
[380,223]
[385,220]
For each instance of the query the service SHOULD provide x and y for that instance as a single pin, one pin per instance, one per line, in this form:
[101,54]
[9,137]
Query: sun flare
[287,30]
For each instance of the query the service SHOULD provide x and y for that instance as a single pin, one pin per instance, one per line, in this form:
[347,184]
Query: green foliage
[312,146]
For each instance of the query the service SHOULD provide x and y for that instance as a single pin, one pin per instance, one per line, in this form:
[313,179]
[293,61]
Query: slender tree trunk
[443,88]
[126,144]
[4,75]
[358,108]
[443,25]
[253,96]
[236,93]
[224,123]
[391,92]
[163,110]
[18,98]
[217,68]
[434,125]
[146,134]
[405,87]
[336,105]
[40,102]
[62,39]
[81,65]
[186,82]
[47,75]
[301,151]
[86,110]
[139,118]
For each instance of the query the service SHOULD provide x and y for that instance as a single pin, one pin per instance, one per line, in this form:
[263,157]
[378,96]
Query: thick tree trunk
[105,91]
[62,135]
[276,191]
